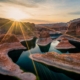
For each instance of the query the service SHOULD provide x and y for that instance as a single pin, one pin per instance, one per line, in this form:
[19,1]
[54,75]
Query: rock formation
[28,28]
[65,44]
[8,38]
[74,29]
[44,38]
[69,62]
[7,67]
[74,20]
[62,27]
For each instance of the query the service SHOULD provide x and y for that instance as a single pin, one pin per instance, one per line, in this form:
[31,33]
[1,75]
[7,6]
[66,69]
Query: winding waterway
[41,70]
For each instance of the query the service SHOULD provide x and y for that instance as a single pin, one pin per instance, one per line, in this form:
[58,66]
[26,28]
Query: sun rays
[28,29]
[28,48]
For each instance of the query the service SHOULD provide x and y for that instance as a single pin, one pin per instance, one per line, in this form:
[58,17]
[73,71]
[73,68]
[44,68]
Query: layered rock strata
[7,67]
[69,62]
[74,29]
[65,44]
[44,38]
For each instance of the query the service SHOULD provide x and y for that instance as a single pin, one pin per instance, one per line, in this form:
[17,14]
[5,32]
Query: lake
[43,72]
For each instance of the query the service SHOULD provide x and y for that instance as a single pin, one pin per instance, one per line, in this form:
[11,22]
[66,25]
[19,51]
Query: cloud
[38,1]
[74,13]
[25,3]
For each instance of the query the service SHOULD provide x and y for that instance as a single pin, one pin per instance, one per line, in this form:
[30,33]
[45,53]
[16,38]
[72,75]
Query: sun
[17,14]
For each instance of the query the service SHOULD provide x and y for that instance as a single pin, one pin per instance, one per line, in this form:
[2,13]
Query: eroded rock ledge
[69,62]
[72,38]
[65,44]
[7,67]
[44,38]
[27,38]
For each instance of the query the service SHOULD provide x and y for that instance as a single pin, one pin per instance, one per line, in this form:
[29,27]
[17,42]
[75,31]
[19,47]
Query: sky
[41,11]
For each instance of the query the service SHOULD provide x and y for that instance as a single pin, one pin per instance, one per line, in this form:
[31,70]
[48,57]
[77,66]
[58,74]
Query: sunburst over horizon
[40,11]
[16,14]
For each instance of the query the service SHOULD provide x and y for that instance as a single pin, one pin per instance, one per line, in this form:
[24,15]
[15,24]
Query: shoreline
[8,67]
[65,48]
[57,64]
[70,38]
[29,39]
[44,43]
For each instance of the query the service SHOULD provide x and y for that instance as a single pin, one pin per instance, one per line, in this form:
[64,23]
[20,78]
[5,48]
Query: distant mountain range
[4,20]
[59,24]
[53,25]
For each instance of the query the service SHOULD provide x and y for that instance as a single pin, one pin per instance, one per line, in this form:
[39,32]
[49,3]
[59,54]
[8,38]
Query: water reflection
[54,36]
[43,71]
[29,44]
[45,48]
[17,54]
[50,47]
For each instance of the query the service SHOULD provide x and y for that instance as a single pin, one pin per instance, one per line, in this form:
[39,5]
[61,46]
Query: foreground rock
[69,62]
[44,38]
[65,44]
[7,67]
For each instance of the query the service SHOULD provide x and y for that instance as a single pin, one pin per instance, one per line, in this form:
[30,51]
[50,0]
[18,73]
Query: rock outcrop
[28,28]
[8,38]
[65,44]
[69,62]
[62,27]
[74,29]
[74,20]
[44,38]
[7,67]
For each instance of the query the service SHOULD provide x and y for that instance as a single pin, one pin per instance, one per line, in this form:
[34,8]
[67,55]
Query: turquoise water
[44,73]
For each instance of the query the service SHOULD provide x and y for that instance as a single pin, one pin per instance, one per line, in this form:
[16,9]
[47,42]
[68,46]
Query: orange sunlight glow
[17,14]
